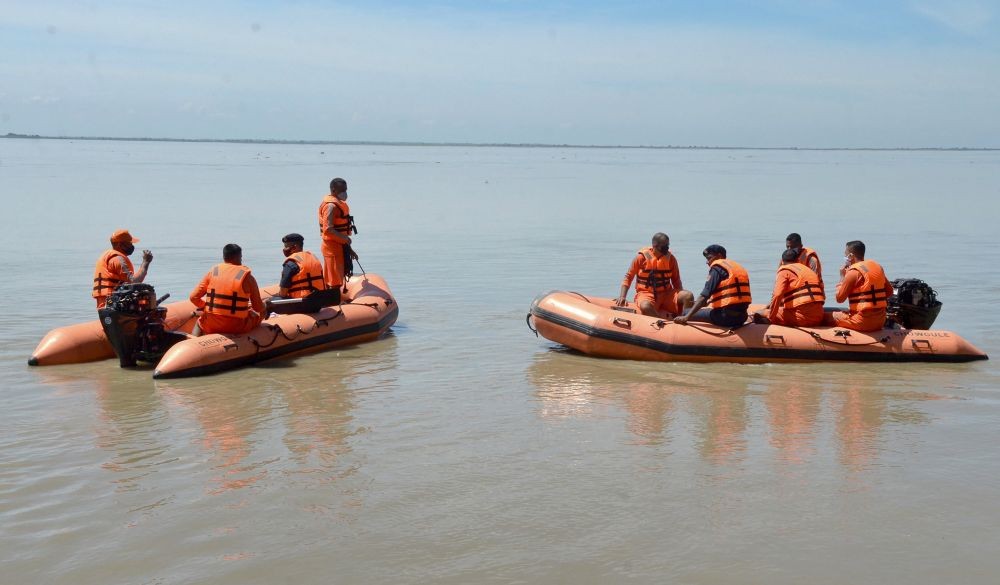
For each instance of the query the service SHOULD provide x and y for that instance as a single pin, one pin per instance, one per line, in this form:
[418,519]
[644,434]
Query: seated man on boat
[658,289]
[727,291]
[798,295]
[114,269]
[229,297]
[806,256]
[301,288]
[302,272]
[864,285]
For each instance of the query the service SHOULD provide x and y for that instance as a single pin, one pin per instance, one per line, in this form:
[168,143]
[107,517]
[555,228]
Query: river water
[461,448]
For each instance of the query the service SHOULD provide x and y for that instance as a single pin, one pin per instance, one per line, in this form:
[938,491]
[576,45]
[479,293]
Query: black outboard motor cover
[133,322]
[914,304]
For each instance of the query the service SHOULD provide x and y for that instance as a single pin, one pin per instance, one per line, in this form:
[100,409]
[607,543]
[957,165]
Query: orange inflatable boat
[596,327]
[368,314]
[367,310]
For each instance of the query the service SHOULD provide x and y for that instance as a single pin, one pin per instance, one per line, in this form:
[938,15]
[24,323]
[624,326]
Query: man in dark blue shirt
[727,291]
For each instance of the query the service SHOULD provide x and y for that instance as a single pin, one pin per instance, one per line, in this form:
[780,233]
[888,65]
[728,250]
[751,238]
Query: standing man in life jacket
[727,291]
[864,285]
[336,224]
[229,296]
[114,269]
[658,288]
[798,294]
[302,272]
[806,256]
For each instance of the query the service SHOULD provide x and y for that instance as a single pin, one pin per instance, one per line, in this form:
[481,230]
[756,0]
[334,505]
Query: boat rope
[299,330]
[364,275]
[661,323]
[845,333]
[274,329]
[573,292]
[527,321]
[725,333]
[277,330]
[326,321]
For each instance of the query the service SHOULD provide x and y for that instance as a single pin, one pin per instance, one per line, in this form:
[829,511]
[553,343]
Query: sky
[778,73]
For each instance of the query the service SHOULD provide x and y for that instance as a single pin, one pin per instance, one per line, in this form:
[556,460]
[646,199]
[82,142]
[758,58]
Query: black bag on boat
[312,303]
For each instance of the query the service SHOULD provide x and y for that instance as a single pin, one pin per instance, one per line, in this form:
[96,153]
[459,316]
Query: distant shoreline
[486,144]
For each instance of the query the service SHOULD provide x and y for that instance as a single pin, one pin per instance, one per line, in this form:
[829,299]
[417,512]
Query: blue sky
[808,73]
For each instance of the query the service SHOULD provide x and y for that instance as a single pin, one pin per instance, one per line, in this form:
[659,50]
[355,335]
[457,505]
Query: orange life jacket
[343,222]
[656,274]
[870,293]
[805,289]
[225,294]
[308,278]
[735,289]
[804,255]
[106,278]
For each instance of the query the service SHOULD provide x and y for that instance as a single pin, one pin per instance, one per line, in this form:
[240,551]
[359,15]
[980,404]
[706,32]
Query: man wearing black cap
[727,291]
[302,272]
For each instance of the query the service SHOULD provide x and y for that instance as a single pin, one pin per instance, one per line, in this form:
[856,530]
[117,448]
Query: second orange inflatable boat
[596,327]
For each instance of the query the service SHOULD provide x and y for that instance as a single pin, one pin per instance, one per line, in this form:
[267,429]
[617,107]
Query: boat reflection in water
[130,423]
[228,422]
[729,413]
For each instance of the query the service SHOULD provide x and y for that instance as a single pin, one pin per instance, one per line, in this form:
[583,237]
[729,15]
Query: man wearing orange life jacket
[798,295]
[229,296]
[336,224]
[864,285]
[658,288]
[301,273]
[727,291]
[806,256]
[114,269]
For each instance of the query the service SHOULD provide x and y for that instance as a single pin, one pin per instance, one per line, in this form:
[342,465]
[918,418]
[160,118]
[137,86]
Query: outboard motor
[914,304]
[134,324]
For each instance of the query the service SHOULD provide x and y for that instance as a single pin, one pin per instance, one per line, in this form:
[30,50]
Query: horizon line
[486,144]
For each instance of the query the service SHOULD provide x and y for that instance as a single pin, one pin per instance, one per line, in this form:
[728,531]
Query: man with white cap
[114,269]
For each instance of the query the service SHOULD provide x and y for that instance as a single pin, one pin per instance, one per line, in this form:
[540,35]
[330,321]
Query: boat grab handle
[770,338]
[622,322]
[918,342]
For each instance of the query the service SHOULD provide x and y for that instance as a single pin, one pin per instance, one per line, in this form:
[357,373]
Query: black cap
[294,238]
[714,249]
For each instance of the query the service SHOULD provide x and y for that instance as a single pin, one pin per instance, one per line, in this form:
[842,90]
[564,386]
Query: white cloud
[967,17]
[43,100]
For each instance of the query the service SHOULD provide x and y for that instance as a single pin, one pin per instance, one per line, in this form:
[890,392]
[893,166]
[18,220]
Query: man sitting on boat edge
[727,291]
[302,272]
[658,288]
[798,294]
[864,285]
[805,256]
